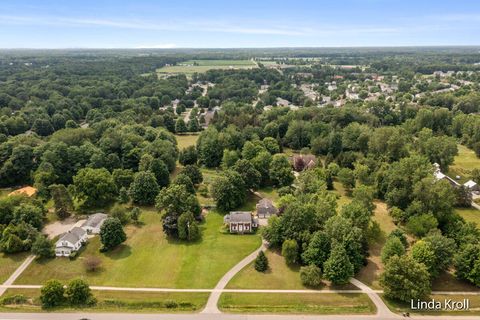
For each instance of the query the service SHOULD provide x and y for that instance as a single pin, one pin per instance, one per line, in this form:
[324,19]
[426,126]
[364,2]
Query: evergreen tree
[261,262]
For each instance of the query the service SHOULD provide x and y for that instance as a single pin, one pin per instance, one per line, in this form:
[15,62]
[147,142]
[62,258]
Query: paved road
[211,306]
[476,206]
[16,274]
[382,310]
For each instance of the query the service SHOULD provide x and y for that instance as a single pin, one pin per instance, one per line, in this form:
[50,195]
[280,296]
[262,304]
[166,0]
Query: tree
[210,148]
[249,174]
[194,173]
[144,188]
[318,250]
[42,247]
[78,293]
[230,157]
[123,196]
[180,126]
[160,170]
[405,279]
[29,213]
[338,268]
[184,180]
[52,294]
[271,145]
[311,276]
[123,178]
[261,262]
[135,214]
[393,246]
[188,156]
[281,171]
[347,178]
[443,249]
[92,263]
[188,227]
[111,234]
[420,225]
[120,213]
[290,251]
[466,263]
[193,125]
[94,187]
[463,197]
[228,191]
[62,201]
[422,252]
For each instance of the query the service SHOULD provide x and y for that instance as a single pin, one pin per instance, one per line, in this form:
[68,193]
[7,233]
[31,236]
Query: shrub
[170,304]
[92,263]
[78,293]
[290,251]
[51,294]
[311,276]
[261,262]
[420,225]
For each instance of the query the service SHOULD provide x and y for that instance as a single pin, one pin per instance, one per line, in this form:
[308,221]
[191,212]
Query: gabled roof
[29,191]
[470,184]
[73,235]
[238,216]
[95,220]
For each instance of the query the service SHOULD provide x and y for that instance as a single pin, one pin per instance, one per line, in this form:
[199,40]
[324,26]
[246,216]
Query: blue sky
[246,23]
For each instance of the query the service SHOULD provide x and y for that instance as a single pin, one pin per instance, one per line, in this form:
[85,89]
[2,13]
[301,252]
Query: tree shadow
[122,251]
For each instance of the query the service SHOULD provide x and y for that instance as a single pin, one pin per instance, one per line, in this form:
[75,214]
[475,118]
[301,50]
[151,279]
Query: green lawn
[120,301]
[464,163]
[400,307]
[186,140]
[469,214]
[270,193]
[278,276]
[297,303]
[9,263]
[149,259]
[201,66]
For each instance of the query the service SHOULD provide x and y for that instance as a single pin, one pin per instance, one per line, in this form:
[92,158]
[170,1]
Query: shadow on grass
[121,252]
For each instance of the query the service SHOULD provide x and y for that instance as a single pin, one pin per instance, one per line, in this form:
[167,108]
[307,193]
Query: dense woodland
[89,129]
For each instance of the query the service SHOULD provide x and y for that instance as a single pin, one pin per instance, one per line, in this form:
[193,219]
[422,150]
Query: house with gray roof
[94,223]
[70,241]
[265,208]
[240,222]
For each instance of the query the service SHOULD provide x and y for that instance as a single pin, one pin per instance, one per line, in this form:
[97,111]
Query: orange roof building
[28,191]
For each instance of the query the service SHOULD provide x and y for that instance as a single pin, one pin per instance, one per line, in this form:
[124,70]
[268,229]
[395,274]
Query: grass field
[464,163]
[400,307]
[9,263]
[200,66]
[120,301]
[278,276]
[446,281]
[149,259]
[469,214]
[186,140]
[297,303]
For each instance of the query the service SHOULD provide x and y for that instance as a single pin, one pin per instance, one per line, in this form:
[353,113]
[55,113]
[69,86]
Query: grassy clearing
[120,301]
[447,282]
[400,307]
[298,303]
[343,198]
[9,263]
[200,66]
[371,272]
[469,214]
[270,193]
[278,276]
[464,163]
[186,140]
[149,259]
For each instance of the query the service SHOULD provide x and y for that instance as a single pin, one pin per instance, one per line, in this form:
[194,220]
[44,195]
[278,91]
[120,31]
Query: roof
[29,191]
[239,216]
[266,205]
[73,235]
[95,220]
[470,184]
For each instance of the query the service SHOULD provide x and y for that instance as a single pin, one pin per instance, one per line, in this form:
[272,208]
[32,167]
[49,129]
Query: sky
[237,24]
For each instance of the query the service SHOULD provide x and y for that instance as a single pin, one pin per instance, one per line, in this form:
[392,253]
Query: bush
[290,251]
[15,299]
[420,225]
[311,276]
[261,262]
[120,213]
[78,293]
[92,263]
[51,294]
[170,304]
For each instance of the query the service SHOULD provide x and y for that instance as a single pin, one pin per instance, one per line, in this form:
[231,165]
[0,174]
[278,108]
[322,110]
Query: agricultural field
[163,262]
[297,303]
[199,66]
[119,301]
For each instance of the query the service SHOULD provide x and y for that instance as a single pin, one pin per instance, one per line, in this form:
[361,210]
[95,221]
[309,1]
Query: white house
[70,242]
[94,223]
[472,186]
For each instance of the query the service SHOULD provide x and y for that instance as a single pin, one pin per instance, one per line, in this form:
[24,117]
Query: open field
[270,193]
[400,307]
[278,276]
[200,66]
[186,140]
[9,263]
[464,163]
[469,214]
[119,301]
[149,259]
[297,303]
